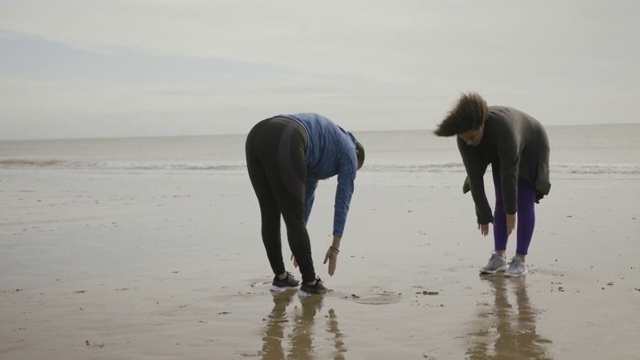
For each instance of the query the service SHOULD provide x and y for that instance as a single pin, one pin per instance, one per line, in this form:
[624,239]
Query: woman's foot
[284,281]
[516,268]
[496,263]
[316,287]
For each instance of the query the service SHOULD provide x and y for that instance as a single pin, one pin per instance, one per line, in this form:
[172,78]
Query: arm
[344,192]
[476,166]
[309,195]
[508,147]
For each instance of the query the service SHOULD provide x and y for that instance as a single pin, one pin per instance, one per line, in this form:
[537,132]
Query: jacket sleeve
[344,192]
[476,166]
[509,148]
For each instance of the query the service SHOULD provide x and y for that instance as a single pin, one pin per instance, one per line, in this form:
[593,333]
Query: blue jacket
[330,151]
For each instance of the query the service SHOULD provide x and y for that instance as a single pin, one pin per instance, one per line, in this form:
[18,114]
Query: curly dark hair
[469,114]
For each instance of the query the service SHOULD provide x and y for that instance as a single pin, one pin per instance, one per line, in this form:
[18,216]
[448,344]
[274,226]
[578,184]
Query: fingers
[332,264]
[511,223]
[332,258]
[484,229]
[327,256]
[510,230]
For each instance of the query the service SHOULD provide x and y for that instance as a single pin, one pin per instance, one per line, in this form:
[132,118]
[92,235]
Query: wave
[116,165]
[585,169]
[415,168]
[596,169]
[30,162]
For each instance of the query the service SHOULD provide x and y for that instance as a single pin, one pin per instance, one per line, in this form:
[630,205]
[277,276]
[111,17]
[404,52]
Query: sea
[581,150]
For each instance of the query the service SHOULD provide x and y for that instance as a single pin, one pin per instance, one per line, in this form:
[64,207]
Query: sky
[113,68]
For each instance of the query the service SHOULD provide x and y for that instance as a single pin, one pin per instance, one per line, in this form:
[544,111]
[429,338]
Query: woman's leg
[269,209]
[526,216]
[280,150]
[499,216]
[291,195]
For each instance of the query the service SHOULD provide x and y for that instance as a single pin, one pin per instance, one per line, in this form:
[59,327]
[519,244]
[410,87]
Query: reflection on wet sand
[298,330]
[505,332]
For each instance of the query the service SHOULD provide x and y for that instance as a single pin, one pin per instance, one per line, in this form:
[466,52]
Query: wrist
[336,241]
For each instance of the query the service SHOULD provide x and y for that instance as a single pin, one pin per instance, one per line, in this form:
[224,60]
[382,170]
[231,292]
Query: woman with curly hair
[517,147]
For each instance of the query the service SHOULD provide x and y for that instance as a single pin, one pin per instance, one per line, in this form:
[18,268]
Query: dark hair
[469,114]
[359,153]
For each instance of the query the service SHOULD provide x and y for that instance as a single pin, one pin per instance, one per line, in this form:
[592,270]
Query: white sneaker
[496,263]
[516,268]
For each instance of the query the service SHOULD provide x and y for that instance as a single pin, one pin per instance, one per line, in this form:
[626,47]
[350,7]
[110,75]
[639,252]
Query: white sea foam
[576,168]
[575,150]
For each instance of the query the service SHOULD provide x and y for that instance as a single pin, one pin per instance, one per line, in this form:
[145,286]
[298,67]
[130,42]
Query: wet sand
[117,265]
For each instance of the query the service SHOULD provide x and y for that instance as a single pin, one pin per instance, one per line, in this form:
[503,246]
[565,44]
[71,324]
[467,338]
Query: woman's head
[466,119]
[359,154]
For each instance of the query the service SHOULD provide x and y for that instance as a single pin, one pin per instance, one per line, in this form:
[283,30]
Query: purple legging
[526,214]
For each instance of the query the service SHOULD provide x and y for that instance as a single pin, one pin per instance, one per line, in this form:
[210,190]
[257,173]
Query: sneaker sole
[278,289]
[515,275]
[502,268]
[303,294]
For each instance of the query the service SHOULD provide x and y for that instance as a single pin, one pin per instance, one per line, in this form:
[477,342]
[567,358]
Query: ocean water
[590,150]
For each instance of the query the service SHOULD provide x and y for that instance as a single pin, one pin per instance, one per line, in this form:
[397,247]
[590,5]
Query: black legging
[277,165]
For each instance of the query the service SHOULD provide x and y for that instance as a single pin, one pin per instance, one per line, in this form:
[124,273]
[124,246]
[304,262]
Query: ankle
[312,283]
[283,276]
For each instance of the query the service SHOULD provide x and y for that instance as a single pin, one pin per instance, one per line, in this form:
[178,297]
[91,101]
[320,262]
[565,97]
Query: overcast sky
[87,68]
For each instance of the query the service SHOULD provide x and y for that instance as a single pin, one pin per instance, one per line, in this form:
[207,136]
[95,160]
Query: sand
[160,265]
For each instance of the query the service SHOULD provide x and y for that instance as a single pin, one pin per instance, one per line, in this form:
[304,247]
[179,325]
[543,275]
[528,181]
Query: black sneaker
[283,284]
[317,289]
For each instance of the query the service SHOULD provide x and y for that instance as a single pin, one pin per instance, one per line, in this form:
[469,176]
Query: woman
[517,147]
[286,156]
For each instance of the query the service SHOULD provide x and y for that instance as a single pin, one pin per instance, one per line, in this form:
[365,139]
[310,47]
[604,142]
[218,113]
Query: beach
[166,262]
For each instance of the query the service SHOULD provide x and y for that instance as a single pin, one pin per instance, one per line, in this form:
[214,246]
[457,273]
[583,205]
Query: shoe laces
[318,282]
[517,263]
[286,278]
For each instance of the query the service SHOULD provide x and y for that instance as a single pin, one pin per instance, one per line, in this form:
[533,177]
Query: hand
[511,223]
[295,263]
[484,229]
[332,257]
